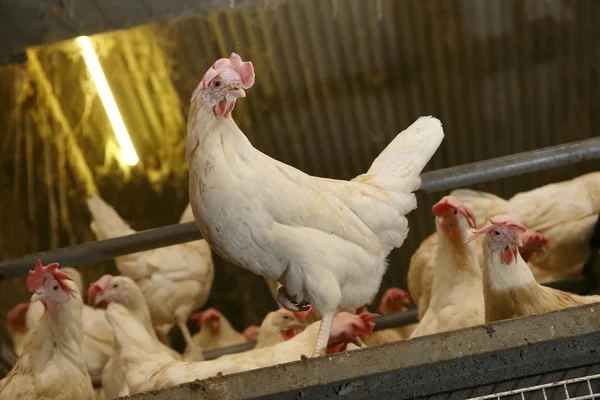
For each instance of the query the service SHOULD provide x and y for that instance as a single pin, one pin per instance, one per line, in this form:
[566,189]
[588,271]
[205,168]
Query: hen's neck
[499,276]
[137,306]
[455,261]
[203,125]
[129,332]
[58,333]
[268,337]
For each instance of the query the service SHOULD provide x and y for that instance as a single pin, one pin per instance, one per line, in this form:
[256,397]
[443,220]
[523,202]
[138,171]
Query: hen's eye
[455,211]
[496,233]
[55,287]
[217,83]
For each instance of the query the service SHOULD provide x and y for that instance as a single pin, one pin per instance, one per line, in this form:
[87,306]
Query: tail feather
[483,204]
[107,223]
[410,151]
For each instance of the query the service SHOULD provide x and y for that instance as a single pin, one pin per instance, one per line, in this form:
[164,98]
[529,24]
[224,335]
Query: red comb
[539,239]
[495,221]
[17,311]
[367,327]
[533,242]
[251,333]
[40,273]
[206,315]
[237,68]
[98,287]
[391,296]
[17,315]
[451,202]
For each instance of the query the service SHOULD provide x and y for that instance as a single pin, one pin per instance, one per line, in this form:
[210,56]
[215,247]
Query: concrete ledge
[423,366]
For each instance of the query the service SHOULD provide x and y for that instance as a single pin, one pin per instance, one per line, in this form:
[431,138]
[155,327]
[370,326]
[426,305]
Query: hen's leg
[324,331]
[186,334]
[323,292]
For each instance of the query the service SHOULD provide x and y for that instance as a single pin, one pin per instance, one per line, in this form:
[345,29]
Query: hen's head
[347,328]
[209,319]
[110,288]
[251,333]
[286,323]
[16,318]
[50,285]
[394,300]
[504,235]
[453,217]
[533,242]
[224,83]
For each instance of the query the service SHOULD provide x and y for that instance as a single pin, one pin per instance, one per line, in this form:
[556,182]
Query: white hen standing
[175,280]
[326,241]
[51,365]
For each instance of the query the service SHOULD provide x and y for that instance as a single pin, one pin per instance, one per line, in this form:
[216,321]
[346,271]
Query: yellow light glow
[128,154]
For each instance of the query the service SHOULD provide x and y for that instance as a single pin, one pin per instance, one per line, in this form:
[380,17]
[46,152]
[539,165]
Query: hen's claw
[284,299]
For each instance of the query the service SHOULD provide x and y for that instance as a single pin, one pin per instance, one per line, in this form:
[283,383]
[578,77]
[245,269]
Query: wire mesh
[586,387]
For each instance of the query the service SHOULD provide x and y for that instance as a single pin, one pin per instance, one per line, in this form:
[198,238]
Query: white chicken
[122,291]
[564,212]
[51,365]
[422,265]
[97,333]
[216,331]
[326,241]
[279,326]
[457,292]
[147,368]
[175,280]
[509,286]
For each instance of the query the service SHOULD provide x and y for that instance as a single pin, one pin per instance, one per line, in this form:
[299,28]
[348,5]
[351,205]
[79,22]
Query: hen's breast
[228,207]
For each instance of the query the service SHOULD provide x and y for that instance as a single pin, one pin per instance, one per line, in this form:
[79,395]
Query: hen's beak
[37,296]
[517,241]
[237,93]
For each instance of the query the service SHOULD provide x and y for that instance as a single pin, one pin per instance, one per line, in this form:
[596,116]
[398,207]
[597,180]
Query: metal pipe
[102,250]
[443,179]
[515,164]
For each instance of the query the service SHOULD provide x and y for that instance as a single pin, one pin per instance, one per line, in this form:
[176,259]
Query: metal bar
[515,164]
[443,179]
[102,250]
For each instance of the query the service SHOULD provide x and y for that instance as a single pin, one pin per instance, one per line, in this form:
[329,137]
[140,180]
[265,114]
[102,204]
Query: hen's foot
[284,299]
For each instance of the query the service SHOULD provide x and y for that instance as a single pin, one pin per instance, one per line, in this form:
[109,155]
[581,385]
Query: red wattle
[507,255]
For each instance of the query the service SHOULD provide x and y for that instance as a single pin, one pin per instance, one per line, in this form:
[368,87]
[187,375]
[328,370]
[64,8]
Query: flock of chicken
[321,245]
